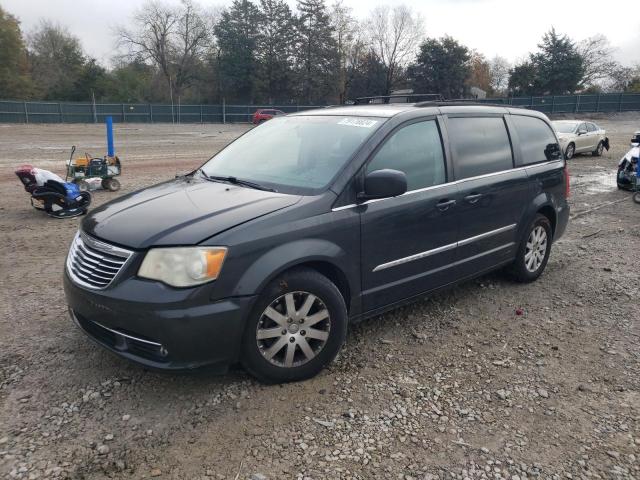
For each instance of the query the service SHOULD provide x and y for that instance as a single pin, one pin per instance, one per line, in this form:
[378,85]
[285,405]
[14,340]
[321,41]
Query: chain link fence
[551,104]
[76,112]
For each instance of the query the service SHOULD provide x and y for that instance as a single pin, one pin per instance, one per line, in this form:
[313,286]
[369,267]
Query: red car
[264,114]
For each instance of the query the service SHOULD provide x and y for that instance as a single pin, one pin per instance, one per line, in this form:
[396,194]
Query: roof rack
[399,98]
[464,103]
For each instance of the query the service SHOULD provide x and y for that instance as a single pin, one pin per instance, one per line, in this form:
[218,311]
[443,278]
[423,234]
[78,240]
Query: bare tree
[345,33]
[174,39]
[623,79]
[597,58]
[394,35]
[499,70]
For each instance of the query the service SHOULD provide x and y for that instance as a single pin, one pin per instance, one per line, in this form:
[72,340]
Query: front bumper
[160,327]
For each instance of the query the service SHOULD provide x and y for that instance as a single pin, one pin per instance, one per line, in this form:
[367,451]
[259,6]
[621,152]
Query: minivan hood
[184,211]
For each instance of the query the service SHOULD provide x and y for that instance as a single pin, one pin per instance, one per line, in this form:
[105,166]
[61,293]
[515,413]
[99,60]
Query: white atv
[629,168]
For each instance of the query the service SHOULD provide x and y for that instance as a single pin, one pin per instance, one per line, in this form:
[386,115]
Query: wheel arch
[542,204]
[332,262]
[549,212]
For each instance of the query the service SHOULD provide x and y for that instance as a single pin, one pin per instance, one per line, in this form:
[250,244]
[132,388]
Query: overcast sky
[510,28]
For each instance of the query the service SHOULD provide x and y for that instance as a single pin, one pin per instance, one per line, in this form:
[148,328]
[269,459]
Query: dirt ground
[456,386]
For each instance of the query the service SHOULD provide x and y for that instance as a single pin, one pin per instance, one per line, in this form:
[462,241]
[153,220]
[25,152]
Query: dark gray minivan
[311,221]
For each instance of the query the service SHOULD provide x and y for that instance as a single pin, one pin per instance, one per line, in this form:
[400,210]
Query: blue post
[111,152]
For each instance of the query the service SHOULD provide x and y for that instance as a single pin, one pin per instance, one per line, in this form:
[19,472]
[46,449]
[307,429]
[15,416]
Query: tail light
[567,186]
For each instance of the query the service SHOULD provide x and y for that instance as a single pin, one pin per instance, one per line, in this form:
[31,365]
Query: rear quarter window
[537,141]
[481,145]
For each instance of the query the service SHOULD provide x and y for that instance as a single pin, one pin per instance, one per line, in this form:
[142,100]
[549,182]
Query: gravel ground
[490,379]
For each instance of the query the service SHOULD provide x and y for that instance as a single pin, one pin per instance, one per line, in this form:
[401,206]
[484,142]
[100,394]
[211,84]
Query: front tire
[296,328]
[570,151]
[636,197]
[533,252]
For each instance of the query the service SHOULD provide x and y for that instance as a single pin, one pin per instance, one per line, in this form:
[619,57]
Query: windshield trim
[297,190]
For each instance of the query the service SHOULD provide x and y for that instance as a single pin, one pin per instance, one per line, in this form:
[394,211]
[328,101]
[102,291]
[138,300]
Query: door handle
[445,204]
[473,198]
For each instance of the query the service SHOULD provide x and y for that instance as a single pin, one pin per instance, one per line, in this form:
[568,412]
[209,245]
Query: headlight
[183,266]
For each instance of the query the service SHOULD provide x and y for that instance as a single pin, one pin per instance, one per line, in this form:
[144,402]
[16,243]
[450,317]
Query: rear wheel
[570,151]
[533,252]
[111,184]
[598,151]
[636,197]
[297,326]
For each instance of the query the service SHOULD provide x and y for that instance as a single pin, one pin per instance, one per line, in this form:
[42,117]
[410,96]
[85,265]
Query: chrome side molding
[444,248]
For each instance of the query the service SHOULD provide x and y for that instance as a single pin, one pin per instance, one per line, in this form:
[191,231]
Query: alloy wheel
[293,329]
[570,151]
[536,249]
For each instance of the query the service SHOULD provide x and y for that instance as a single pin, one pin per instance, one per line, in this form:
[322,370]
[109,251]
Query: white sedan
[577,136]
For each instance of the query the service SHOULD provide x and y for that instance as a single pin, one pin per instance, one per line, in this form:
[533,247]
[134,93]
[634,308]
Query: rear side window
[537,141]
[481,145]
[415,150]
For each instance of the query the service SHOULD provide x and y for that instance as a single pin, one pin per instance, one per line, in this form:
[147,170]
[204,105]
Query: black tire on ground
[295,280]
[598,151]
[111,184]
[636,197]
[519,269]
[570,151]
[86,199]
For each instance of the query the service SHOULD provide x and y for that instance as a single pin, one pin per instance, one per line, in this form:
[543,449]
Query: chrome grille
[94,264]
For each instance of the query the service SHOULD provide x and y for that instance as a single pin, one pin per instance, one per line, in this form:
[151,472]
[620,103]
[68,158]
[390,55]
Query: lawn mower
[59,199]
[105,168]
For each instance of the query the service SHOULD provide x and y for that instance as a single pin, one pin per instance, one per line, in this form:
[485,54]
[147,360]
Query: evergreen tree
[238,33]
[92,80]
[442,66]
[522,79]
[275,51]
[367,77]
[317,60]
[559,65]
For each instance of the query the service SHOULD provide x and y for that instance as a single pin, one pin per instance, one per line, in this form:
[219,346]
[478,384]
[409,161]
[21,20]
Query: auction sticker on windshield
[358,122]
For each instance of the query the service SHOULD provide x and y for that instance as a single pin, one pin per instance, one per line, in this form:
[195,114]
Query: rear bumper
[179,331]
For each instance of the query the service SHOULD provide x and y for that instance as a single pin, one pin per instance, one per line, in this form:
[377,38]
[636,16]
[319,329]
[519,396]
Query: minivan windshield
[297,154]
[565,127]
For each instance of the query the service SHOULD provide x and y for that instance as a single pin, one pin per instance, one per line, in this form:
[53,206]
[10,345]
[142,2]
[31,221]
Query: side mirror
[553,152]
[582,131]
[383,184]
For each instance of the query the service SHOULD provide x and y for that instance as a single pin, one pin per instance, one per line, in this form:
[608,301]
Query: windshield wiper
[236,181]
